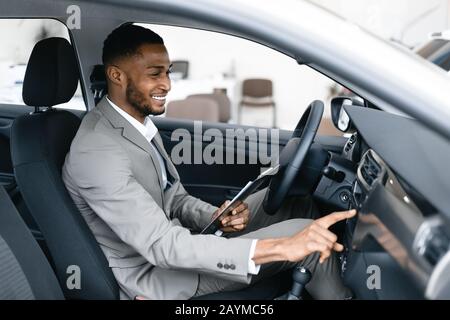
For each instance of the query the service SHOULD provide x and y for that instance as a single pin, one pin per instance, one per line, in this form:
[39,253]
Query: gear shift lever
[301,277]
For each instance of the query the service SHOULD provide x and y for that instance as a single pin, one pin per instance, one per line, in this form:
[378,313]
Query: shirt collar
[148,129]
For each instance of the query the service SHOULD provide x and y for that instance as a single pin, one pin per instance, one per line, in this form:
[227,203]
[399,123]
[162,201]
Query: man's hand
[317,238]
[314,238]
[237,220]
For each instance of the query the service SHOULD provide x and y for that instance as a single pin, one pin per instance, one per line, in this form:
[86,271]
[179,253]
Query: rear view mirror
[340,118]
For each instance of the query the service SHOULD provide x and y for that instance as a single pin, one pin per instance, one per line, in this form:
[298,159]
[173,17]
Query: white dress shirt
[149,130]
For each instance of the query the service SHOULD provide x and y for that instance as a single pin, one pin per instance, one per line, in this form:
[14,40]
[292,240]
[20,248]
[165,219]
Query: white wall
[211,54]
[410,21]
[448,14]
[18,36]
[406,21]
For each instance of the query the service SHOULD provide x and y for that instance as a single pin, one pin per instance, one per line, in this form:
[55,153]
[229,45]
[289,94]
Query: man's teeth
[159,97]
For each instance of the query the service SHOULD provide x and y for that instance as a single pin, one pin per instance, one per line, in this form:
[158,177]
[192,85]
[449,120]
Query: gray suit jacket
[113,176]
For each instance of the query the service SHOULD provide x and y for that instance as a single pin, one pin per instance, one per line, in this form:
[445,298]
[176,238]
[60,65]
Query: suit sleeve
[193,213]
[102,172]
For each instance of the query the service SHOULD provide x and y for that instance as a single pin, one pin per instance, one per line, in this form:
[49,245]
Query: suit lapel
[131,134]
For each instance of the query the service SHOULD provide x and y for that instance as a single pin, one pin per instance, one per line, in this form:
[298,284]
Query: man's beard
[137,100]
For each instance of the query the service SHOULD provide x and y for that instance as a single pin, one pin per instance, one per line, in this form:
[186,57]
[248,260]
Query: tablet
[249,188]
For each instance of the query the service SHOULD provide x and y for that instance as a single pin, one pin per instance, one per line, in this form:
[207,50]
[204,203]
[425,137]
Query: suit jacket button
[232,267]
[219,265]
[226,266]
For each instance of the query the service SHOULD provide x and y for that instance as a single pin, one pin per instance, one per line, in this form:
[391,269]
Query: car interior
[402,224]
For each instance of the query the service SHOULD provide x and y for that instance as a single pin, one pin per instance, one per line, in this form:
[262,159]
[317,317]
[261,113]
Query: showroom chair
[257,93]
[39,144]
[222,100]
[203,109]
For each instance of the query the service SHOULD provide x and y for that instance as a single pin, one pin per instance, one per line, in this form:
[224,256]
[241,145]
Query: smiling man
[130,194]
[147,80]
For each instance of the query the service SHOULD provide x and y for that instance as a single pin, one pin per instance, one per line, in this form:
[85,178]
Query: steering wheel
[293,156]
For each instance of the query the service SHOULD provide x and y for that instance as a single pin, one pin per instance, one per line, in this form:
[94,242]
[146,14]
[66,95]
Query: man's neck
[125,106]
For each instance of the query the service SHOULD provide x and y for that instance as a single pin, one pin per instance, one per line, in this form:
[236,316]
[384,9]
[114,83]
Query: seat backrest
[223,102]
[257,88]
[194,109]
[39,144]
[25,273]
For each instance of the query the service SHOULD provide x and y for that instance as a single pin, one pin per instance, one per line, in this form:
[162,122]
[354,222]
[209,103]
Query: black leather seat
[39,144]
[25,273]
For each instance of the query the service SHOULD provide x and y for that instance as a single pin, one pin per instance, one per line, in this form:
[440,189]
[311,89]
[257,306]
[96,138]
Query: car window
[18,37]
[255,79]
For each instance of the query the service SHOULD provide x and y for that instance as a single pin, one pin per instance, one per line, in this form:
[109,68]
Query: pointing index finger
[334,217]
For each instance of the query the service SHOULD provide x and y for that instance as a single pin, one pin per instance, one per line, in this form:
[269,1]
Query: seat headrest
[52,73]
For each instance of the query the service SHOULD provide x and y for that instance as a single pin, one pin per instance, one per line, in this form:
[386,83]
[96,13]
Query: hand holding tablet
[249,188]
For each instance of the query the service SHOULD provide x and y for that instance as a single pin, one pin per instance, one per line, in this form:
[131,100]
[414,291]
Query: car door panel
[215,183]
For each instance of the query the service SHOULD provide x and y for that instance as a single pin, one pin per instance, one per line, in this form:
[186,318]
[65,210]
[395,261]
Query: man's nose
[166,83]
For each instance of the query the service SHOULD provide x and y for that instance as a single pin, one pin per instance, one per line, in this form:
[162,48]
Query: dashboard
[399,229]
[388,214]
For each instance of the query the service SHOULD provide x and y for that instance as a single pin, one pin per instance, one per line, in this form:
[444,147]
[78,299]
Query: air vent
[351,141]
[370,169]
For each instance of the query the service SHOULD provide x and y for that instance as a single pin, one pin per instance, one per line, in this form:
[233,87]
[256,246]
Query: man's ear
[115,75]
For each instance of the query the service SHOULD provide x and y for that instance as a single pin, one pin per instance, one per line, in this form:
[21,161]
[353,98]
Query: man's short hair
[125,40]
